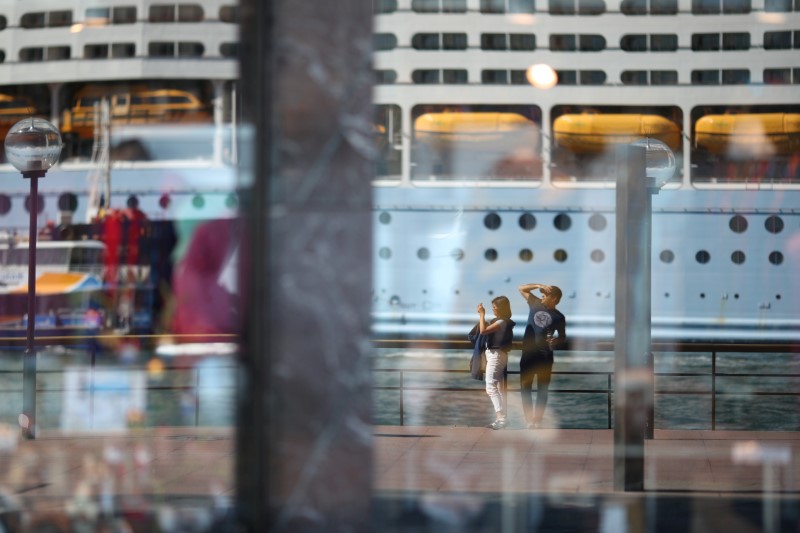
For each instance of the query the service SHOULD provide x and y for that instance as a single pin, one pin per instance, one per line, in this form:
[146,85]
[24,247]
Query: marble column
[304,439]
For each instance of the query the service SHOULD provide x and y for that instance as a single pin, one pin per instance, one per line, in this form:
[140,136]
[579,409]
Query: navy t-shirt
[541,322]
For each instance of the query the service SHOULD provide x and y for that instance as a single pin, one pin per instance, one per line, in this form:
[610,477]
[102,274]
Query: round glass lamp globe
[659,160]
[541,76]
[33,144]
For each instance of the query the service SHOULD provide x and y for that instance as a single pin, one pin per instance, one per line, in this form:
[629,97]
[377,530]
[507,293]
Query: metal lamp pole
[33,145]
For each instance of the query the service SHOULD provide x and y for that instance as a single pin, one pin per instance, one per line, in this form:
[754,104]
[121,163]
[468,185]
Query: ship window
[705,41]
[124,15]
[735,77]
[425,6]
[385,77]
[5,204]
[705,77]
[664,77]
[526,255]
[634,77]
[521,6]
[95,51]
[384,41]
[666,256]
[161,49]
[119,50]
[777,40]
[738,257]
[58,19]
[518,77]
[522,41]
[738,224]
[562,7]
[32,20]
[705,7]
[702,257]
[229,14]
[663,7]
[780,6]
[633,7]
[454,41]
[592,43]
[229,49]
[425,76]
[2,56]
[634,43]
[736,41]
[492,77]
[493,6]
[527,221]
[774,224]
[191,49]
[664,42]
[98,15]
[190,13]
[567,77]
[657,7]
[39,206]
[494,41]
[736,6]
[777,76]
[591,7]
[162,13]
[592,77]
[776,258]
[425,41]
[563,43]
[3,22]
[454,76]
[454,6]
[58,53]
[384,6]
[796,72]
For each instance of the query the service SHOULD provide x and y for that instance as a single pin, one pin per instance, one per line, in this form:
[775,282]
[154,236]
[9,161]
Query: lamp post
[33,145]
[643,168]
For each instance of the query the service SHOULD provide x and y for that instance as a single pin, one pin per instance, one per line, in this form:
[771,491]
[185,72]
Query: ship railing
[713,374]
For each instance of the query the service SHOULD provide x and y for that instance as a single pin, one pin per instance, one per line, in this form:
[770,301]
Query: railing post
[402,422]
[196,397]
[608,397]
[713,390]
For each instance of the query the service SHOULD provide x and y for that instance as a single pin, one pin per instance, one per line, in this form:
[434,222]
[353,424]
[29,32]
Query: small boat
[476,127]
[749,134]
[587,133]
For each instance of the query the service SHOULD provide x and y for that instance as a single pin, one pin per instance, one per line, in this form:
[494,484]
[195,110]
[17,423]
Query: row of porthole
[395,300]
[598,222]
[69,202]
[598,256]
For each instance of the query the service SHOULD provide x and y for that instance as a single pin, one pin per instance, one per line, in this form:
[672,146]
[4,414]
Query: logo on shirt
[542,319]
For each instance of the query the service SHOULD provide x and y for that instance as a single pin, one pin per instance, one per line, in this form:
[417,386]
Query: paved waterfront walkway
[469,459]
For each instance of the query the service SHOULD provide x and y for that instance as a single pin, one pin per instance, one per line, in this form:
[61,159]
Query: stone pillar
[304,431]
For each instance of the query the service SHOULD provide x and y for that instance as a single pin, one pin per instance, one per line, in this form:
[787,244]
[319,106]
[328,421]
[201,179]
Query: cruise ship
[495,128]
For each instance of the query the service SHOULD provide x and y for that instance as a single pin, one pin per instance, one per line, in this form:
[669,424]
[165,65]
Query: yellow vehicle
[12,110]
[132,105]
[587,133]
[749,134]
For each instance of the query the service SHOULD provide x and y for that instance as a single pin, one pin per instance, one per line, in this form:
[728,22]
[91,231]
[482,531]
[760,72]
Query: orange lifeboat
[586,133]
[749,134]
[485,128]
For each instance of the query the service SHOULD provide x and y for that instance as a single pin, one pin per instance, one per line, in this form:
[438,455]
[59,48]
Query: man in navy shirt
[546,330]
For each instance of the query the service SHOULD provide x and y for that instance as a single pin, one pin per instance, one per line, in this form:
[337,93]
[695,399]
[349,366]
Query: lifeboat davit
[587,133]
[477,127]
[749,134]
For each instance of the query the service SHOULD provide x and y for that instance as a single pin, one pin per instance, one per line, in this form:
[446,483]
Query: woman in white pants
[498,335]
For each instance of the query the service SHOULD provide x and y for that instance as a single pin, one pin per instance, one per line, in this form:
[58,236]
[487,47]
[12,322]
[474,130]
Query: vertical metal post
[402,400]
[28,419]
[713,390]
[633,384]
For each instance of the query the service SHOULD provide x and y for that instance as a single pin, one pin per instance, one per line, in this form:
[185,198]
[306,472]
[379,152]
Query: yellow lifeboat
[475,127]
[749,134]
[596,133]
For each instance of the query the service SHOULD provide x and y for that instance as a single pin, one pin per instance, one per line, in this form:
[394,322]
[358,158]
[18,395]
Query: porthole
[598,256]
[492,221]
[774,224]
[776,258]
[777,296]
[490,254]
[67,202]
[231,201]
[394,300]
[457,254]
[666,295]
[738,224]
[5,204]
[39,203]
[736,296]
[423,253]
[198,201]
[597,222]
[560,255]
[702,295]
[527,221]
[384,253]
[737,257]
[666,256]
[702,257]
[562,222]
[526,255]
[384,218]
